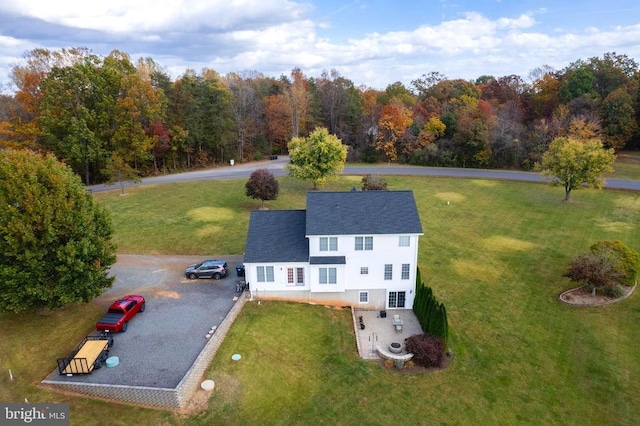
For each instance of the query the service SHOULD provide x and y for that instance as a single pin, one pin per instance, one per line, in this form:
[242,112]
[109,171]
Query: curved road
[277,168]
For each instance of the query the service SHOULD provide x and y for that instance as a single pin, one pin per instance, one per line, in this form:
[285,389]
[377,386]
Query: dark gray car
[208,269]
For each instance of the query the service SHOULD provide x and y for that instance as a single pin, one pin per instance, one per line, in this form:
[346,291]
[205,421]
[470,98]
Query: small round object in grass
[236,357]
[207,385]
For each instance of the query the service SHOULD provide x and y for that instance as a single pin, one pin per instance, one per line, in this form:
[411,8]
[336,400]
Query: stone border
[394,357]
[561,297]
[160,398]
[355,332]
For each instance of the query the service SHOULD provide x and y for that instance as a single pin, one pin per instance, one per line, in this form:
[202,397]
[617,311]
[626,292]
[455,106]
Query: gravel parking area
[162,343]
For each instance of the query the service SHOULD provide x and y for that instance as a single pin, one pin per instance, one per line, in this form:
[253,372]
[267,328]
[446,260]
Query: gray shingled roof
[327,260]
[362,213]
[277,236]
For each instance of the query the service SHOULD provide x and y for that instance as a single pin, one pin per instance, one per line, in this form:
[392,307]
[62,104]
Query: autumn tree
[605,268]
[56,241]
[432,130]
[135,105]
[571,164]
[474,121]
[262,185]
[395,117]
[26,78]
[278,122]
[619,122]
[584,128]
[544,90]
[297,101]
[316,158]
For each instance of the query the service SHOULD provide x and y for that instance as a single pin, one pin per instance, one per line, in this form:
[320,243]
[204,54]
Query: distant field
[494,253]
[627,165]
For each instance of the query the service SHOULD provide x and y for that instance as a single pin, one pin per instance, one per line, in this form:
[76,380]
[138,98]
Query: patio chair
[397,323]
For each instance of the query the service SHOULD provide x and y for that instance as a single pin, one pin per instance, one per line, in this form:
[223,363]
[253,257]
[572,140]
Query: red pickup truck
[120,313]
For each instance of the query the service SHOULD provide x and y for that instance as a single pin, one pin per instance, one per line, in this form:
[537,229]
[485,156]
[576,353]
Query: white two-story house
[357,248]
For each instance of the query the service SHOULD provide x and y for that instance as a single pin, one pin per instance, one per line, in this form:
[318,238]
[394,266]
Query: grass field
[627,165]
[494,255]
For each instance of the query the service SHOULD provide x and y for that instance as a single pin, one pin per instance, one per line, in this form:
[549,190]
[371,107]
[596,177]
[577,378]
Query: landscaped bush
[614,292]
[374,183]
[626,260]
[607,266]
[427,350]
[431,314]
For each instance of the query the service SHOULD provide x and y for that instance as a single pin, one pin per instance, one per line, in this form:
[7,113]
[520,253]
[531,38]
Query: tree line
[108,115]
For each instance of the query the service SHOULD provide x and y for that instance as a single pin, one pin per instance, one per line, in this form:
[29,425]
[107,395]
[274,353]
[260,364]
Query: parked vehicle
[90,354]
[215,269]
[120,313]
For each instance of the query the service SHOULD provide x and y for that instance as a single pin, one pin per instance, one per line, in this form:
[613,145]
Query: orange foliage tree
[392,125]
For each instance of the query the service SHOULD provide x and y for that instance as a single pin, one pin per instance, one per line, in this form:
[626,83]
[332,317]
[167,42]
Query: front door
[397,299]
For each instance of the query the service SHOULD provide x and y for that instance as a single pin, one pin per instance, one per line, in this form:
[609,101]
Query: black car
[208,269]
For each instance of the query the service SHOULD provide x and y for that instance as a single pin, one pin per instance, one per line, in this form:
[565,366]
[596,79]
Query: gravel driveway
[162,343]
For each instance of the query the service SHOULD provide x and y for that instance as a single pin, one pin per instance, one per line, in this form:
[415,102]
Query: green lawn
[494,255]
[627,165]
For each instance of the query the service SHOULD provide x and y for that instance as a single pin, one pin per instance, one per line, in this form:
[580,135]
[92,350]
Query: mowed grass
[627,165]
[494,253]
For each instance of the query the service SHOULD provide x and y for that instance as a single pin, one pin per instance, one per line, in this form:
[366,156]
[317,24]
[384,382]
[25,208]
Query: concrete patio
[381,332]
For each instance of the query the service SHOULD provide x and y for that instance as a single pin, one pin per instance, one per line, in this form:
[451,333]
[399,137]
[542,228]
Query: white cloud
[273,37]
[120,16]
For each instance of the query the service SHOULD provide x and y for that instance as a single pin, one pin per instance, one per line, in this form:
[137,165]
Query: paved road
[277,168]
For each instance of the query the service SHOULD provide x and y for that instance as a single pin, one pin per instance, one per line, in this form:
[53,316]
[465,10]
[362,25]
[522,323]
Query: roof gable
[276,236]
[362,213]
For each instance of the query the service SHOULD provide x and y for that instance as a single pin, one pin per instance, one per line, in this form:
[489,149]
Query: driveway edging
[160,398]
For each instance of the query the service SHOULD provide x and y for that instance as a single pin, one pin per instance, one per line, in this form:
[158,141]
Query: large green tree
[572,163]
[316,158]
[55,241]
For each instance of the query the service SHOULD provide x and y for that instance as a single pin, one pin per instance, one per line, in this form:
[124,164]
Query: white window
[388,272]
[299,276]
[328,276]
[404,241]
[405,271]
[363,297]
[364,270]
[290,276]
[270,277]
[265,274]
[368,243]
[364,243]
[328,243]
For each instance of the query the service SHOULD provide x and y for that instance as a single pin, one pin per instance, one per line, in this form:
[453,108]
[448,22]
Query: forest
[107,115]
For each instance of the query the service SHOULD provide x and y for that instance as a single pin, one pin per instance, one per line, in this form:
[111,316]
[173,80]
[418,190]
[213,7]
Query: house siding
[280,274]
[264,250]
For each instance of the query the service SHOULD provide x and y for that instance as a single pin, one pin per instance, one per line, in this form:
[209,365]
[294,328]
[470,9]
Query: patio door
[397,299]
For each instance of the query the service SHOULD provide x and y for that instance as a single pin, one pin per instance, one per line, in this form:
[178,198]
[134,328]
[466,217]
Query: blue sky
[372,42]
